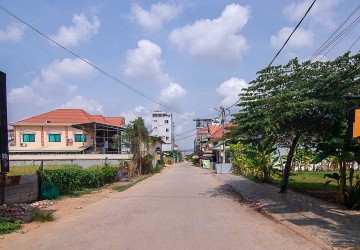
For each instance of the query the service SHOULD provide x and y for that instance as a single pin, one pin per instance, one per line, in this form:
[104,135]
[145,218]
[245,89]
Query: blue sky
[191,55]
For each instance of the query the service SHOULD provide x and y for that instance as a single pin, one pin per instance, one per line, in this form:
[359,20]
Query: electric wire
[354,43]
[344,34]
[324,45]
[292,33]
[185,132]
[321,49]
[185,137]
[94,66]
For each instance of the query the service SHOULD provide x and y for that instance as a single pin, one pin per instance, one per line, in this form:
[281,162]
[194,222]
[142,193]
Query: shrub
[161,161]
[42,215]
[8,226]
[354,201]
[76,179]
[146,163]
[169,161]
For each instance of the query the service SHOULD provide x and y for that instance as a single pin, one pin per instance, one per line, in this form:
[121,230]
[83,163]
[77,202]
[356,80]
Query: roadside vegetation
[24,170]
[8,226]
[42,215]
[73,180]
[300,109]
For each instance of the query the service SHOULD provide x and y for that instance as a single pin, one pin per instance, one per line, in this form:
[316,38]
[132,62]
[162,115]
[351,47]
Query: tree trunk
[342,194]
[287,168]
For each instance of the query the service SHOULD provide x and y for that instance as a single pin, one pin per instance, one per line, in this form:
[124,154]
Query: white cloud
[52,84]
[81,30]
[80,102]
[216,39]
[154,18]
[25,95]
[59,70]
[299,39]
[321,13]
[172,93]
[230,90]
[13,32]
[139,111]
[145,64]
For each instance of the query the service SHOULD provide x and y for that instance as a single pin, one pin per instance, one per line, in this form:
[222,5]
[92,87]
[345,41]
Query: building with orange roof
[66,131]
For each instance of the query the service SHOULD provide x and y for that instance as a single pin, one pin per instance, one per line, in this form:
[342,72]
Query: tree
[297,104]
[136,137]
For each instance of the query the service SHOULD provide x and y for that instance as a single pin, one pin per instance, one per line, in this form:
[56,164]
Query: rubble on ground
[23,211]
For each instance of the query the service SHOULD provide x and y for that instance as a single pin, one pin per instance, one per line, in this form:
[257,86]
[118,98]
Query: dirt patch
[65,206]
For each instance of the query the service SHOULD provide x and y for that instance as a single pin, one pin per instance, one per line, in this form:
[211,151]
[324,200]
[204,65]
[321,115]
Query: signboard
[4,146]
[354,123]
[158,150]
[206,164]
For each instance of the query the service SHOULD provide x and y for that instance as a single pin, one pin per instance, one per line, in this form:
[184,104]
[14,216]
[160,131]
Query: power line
[327,43]
[185,132]
[94,66]
[343,35]
[292,32]
[185,137]
[354,43]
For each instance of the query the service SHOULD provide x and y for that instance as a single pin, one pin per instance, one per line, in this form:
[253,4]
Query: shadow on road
[331,222]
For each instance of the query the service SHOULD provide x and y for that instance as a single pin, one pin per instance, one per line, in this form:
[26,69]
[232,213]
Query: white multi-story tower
[162,125]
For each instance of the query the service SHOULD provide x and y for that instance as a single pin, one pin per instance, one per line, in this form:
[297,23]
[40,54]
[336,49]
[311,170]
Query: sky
[192,56]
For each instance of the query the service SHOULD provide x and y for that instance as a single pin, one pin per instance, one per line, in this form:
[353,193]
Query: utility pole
[223,119]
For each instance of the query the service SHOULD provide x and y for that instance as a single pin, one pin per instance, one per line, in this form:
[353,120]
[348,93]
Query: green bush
[146,163]
[76,179]
[161,161]
[169,161]
[42,215]
[8,226]
[354,201]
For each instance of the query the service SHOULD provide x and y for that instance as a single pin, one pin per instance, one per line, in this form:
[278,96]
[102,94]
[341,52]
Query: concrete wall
[84,160]
[20,189]
[224,168]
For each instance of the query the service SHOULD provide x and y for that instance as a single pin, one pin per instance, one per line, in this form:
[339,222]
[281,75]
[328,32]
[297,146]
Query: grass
[24,170]
[311,181]
[129,185]
[8,226]
[42,215]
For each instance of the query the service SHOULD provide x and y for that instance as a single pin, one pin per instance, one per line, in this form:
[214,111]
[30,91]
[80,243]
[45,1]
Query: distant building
[162,125]
[66,131]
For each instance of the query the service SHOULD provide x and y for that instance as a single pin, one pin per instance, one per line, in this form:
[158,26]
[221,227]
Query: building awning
[97,126]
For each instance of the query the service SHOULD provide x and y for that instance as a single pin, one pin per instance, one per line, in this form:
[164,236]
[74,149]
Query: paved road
[181,208]
[333,225]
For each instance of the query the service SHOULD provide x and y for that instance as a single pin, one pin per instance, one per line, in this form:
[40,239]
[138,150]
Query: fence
[83,160]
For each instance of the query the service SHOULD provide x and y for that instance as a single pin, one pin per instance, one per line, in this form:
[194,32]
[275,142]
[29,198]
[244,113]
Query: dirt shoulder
[65,206]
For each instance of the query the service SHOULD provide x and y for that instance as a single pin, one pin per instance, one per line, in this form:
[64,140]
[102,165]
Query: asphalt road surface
[183,207]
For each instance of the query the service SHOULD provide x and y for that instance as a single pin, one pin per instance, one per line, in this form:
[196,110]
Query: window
[28,138]
[80,138]
[54,137]
[166,121]
[155,120]
[167,138]
[167,130]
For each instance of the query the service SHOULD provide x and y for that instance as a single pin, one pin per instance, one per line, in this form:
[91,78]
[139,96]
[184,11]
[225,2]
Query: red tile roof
[98,119]
[216,131]
[116,121]
[74,116]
